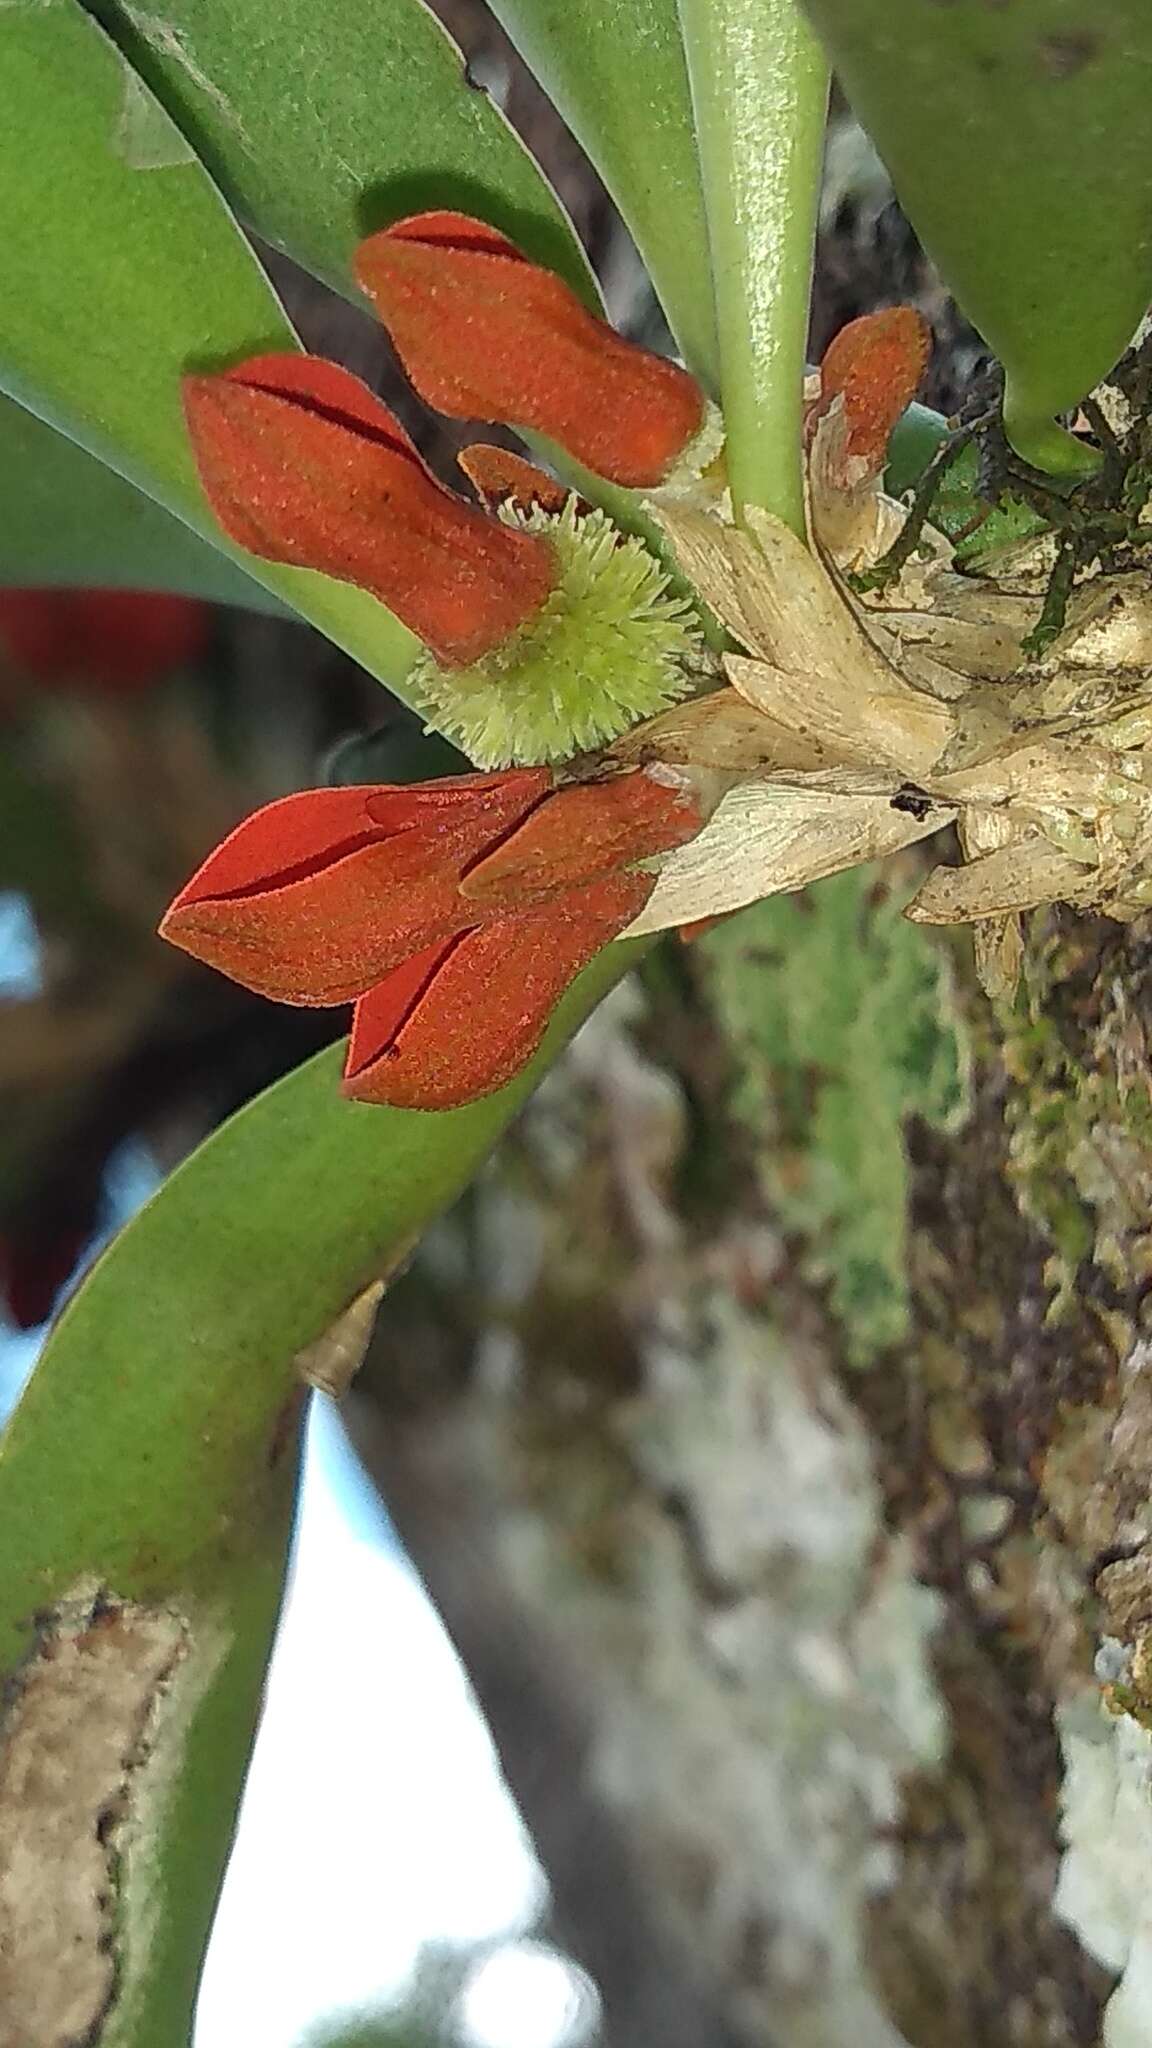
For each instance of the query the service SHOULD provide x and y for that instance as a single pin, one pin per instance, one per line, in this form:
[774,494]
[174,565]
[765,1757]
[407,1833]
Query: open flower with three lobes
[455,913]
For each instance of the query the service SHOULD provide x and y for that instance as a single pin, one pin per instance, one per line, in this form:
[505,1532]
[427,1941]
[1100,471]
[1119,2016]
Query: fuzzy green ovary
[609,648]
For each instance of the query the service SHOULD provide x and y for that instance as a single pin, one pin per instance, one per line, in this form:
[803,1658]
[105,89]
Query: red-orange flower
[453,913]
[485,334]
[304,465]
[107,640]
[874,367]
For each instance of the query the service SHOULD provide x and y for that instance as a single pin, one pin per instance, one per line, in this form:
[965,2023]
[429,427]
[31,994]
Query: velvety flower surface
[874,366]
[485,334]
[526,603]
[304,465]
[453,913]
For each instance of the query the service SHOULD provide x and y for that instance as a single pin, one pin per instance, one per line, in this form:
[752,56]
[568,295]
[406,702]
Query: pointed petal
[290,838]
[491,802]
[875,365]
[584,831]
[503,478]
[466,1017]
[283,841]
[303,465]
[484,334]
[312,899]
[330,935]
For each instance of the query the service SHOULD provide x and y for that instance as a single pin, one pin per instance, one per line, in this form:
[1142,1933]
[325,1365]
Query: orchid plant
[713,630]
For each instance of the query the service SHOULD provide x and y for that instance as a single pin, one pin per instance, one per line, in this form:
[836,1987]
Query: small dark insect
[915,801]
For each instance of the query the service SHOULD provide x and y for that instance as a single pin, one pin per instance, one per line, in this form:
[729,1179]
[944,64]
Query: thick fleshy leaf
[314,898]
[580,833]
[303,465]
[1019,138]
[484,334]
[67,519]
[465,1018]
[121,272]
[322,123]
[617,75]
[173,1371]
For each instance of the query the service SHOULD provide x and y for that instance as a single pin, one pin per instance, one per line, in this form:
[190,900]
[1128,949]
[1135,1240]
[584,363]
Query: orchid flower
[454,913]
[547,631]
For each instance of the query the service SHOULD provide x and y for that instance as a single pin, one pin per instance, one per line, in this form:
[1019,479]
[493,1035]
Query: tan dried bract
[851,726]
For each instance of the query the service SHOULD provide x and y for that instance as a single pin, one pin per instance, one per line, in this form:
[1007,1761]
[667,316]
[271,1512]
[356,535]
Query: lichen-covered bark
[773,1427]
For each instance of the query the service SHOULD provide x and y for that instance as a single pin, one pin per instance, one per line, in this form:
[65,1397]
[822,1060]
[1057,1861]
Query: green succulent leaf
[324,122]
[618,76]
[123,269]
[65,518]
[146,1484]
[1019,139]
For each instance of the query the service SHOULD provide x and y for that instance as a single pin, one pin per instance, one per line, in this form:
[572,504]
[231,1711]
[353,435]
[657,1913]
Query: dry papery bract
[854,725]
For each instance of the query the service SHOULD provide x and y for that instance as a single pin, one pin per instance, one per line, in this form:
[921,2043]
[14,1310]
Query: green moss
[1047,1114]
[1078,1113]
[839,1015]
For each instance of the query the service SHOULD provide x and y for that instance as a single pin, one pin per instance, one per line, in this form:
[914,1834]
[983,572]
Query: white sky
[374,1819]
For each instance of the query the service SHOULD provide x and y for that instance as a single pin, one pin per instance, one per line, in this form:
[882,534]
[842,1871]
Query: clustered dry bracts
[899,712]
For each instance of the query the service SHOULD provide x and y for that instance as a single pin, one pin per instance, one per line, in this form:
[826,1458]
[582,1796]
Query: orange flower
[485,334]
[107,640]
[870,373]
[453,913]
[303,465]
[548,631]
[874,367]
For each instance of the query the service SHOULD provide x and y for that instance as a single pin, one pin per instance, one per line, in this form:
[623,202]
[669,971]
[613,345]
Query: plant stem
[759,91]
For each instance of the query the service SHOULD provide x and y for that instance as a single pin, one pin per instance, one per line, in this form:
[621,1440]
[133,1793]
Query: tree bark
[772,1426]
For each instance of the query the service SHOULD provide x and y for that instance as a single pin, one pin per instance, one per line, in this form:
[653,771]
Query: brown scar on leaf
[79,1722]
[1063,56]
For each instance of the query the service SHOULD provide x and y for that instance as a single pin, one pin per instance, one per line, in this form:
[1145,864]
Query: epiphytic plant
[700,643]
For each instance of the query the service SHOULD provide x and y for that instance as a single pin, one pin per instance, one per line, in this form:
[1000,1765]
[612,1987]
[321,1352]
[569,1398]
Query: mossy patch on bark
[839,1016]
